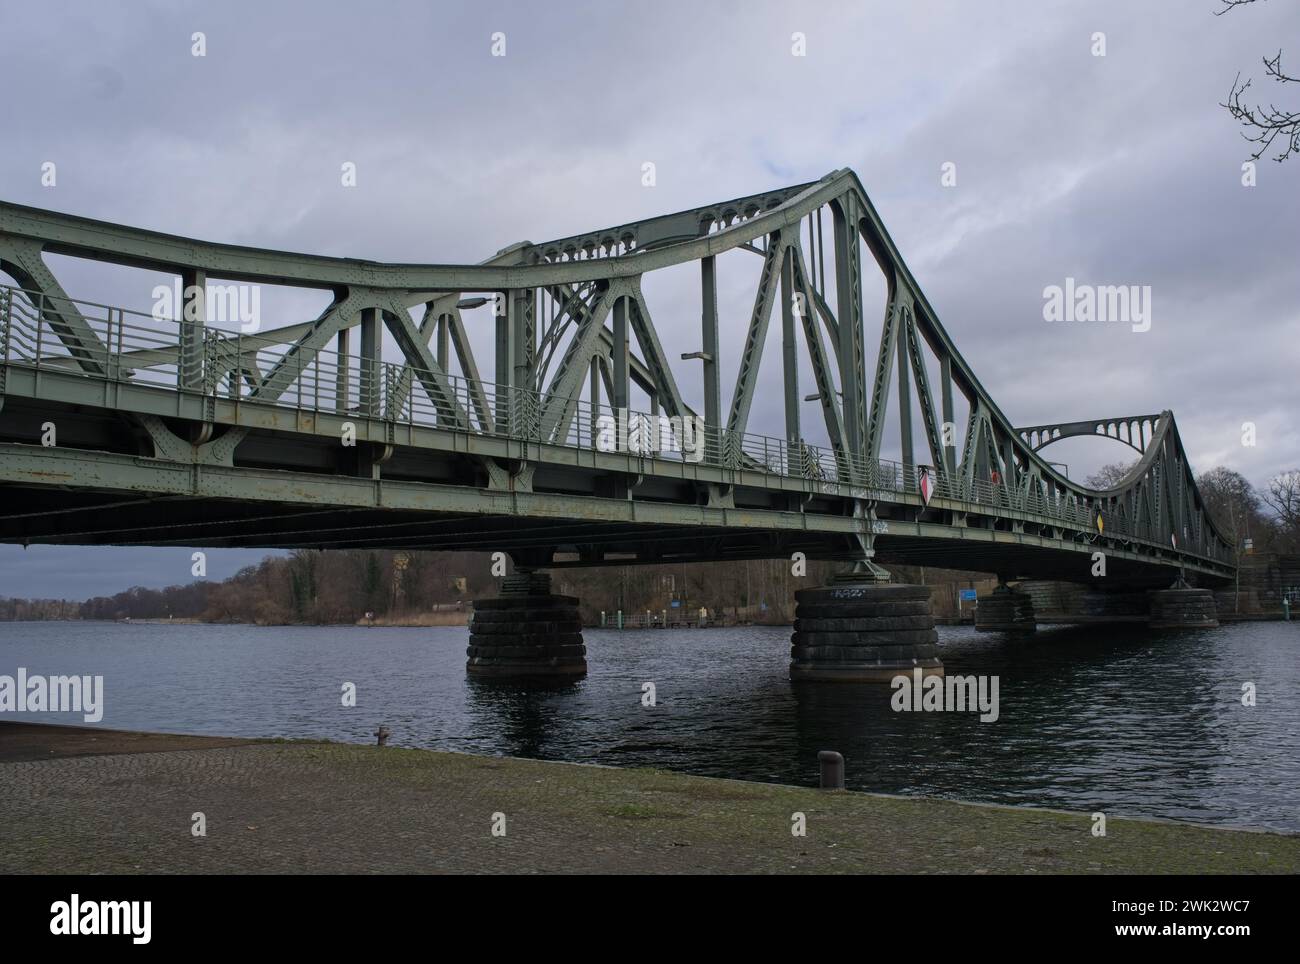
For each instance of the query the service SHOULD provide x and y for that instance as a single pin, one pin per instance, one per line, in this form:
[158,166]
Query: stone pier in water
[861,629]
[527,631]
[1005,610]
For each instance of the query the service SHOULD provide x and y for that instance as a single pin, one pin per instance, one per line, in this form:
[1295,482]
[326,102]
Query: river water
[1112,719]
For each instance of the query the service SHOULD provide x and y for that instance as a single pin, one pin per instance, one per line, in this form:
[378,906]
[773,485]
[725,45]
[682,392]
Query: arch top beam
[661,242]
[1135,431]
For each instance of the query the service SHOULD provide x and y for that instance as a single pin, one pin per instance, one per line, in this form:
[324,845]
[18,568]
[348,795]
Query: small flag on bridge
[926,484]
[1101,523]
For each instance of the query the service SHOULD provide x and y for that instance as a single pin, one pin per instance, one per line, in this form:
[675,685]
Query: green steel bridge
[133,427]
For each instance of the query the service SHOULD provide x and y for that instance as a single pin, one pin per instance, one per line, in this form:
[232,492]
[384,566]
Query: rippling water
[1113,719]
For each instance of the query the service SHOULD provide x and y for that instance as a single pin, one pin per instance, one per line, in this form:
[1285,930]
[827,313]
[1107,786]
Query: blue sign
[675,603]
[967,595]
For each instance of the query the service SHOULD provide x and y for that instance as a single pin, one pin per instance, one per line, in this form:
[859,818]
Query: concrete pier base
[526,632]
[1182,607]
[1116,606]
[1005,610]
[863,631]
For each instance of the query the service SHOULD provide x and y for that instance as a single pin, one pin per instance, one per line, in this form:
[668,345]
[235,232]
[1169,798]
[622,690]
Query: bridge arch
[1135,431]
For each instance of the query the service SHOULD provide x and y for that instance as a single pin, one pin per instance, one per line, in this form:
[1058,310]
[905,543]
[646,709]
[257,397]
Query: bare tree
[1283,497]
[1263,125]
[1231,502]
[1109,476]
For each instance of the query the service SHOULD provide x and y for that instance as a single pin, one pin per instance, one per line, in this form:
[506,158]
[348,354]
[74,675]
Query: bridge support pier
[526,632]
[1183,607]
[863,629]
[1005,610]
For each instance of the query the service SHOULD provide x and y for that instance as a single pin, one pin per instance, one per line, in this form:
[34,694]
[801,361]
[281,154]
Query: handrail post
[40,328]
[7,295]
[112,363]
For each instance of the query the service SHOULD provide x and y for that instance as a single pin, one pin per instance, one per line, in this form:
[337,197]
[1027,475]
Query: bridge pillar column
[1005,610]
[526,632]
[863,629]
[1183,607]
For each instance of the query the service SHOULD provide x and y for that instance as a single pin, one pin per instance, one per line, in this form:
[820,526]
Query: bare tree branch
[1229,4]
[1283,497]
[1263,125]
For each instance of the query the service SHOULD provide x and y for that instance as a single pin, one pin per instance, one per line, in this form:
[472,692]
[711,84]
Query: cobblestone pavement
[332,808]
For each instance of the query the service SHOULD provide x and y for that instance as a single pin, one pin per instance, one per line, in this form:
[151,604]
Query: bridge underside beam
[64,496]
[1041,560]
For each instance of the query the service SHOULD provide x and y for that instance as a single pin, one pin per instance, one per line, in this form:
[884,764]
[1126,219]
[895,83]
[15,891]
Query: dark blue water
[1109,719]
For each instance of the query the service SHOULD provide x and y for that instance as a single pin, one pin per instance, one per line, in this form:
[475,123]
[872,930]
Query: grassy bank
[79,802]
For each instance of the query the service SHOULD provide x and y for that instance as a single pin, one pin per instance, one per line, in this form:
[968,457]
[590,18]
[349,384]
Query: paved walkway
[69,804]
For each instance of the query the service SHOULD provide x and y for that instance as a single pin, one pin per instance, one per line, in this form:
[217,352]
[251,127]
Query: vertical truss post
[620,354]
[444,342]
[848,293]
[520,311]
[948,432]
[368,355]
[905,400]
[442,334]
[194,286]
[595,398]
[341,372]
[712,391]
[504,360]
[790,357]
[528,317]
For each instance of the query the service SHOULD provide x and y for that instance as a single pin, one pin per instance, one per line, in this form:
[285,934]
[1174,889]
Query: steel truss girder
[1160,488]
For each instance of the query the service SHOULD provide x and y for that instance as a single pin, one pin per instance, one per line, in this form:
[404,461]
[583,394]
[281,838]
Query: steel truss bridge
[178,433]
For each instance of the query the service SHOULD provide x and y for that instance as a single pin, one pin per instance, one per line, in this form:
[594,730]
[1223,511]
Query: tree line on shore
[347,586]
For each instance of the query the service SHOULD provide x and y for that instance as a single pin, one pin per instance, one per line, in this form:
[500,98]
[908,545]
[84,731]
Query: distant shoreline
[413,620]
[417,621]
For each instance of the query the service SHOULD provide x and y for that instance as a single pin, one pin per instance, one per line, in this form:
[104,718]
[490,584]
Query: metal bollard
[832,765]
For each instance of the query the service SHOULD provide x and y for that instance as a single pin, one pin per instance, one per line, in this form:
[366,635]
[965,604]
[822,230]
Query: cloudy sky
[1114,169]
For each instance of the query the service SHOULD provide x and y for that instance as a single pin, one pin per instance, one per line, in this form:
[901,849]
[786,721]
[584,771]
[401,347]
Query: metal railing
[104,342]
